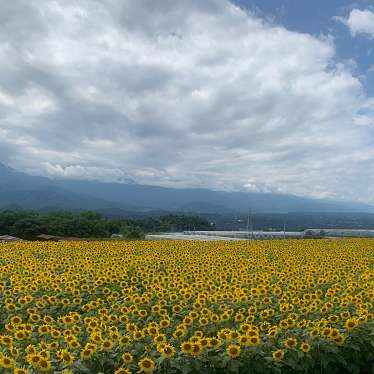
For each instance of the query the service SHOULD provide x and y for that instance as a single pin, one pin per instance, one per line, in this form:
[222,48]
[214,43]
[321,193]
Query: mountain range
[23,191]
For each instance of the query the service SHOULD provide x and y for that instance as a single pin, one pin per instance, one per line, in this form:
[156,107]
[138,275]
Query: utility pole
[248,224]
[251,225]
[284,229]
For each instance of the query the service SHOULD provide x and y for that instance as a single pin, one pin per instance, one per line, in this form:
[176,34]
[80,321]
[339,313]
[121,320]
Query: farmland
[187,307]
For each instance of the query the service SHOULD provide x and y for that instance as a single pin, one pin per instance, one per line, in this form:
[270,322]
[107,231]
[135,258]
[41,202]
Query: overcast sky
[229,96]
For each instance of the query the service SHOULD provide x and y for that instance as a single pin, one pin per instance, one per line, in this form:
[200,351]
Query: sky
[265,95]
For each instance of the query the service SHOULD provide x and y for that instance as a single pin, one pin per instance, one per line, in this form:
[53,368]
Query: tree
[133,232]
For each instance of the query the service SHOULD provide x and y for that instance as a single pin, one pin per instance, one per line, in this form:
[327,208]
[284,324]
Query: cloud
[176,93]
[360,22]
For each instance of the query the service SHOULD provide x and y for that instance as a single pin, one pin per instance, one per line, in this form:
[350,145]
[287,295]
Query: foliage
[29,224]
[187,307]
[132,232]
[294,221]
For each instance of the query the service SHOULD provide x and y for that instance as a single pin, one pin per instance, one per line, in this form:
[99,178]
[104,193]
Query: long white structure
[183,236]
[339,233]
[262,235]
[257,235]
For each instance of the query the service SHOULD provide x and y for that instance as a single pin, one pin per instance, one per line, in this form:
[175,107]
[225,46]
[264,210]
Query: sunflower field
[185,307]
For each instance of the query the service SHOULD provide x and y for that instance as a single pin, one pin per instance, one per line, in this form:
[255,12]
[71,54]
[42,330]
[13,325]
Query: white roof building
[9,238]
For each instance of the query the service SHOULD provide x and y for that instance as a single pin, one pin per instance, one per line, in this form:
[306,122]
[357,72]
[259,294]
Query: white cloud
[176,93]
[360,22]
[86,173]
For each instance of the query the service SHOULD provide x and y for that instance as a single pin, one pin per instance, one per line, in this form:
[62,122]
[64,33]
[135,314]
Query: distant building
[116,236]
[56,238]
[9,238]
[50,238]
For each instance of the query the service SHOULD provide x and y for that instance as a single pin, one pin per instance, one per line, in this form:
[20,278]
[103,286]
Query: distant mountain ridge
[24,191]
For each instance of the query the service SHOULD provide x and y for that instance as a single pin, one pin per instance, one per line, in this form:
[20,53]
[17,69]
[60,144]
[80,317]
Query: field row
[187,307]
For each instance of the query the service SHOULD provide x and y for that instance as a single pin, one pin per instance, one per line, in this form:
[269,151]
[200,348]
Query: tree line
[89,224]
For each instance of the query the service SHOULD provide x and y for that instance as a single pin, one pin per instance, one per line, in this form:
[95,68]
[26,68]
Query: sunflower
[160,338]
[290,342]
[6,340]
[203,321]
[53,345]
[278,354]
[305,347]
[124,340]
[314,333]
[179,333]
[153,330]
[254,340]
[234,335]
[138,335]
[22,370]
[44,353]
[272,332]
[214,342]
[127,357]
[44,365]
[333,318]
[106,345]
[6,362]
[164,323]
[199,333]
[326,332]
[87,353]
[66,357]
[33,359]
[14,352]
[147,365]
[44,329]
[74,344]
[30,349]
[20,335]
[233,350]
[168,351]
[122,371]
[16,320]
[196,349]
[55,334]
[204,342]
[350,324]
[339,340]
[186,347]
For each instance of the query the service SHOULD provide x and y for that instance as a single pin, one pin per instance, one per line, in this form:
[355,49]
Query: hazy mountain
[25,191]
[19,190]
